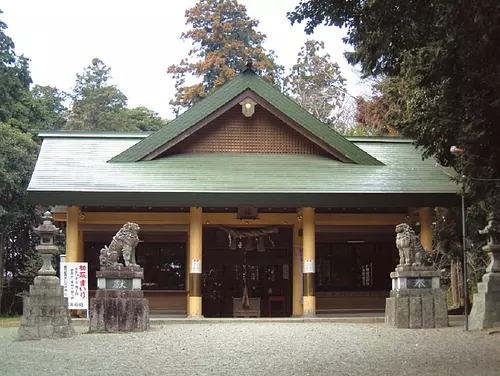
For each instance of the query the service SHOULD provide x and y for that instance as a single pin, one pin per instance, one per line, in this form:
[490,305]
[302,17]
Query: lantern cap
[47,227]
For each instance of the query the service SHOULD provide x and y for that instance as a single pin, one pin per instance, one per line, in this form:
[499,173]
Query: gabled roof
[268,96]
[62,176]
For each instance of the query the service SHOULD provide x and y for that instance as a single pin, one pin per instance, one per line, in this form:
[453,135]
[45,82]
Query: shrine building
[244,191]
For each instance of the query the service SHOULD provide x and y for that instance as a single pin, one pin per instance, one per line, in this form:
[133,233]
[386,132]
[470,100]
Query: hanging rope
[253,233]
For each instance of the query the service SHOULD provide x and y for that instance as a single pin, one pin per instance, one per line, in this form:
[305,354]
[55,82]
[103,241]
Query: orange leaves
[223,38]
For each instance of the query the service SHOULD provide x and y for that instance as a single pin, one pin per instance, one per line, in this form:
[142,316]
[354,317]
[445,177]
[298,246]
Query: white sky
[139,40]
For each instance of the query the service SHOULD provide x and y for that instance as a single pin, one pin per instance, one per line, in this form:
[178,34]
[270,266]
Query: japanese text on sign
[196,266]
[309,266]
[74,278]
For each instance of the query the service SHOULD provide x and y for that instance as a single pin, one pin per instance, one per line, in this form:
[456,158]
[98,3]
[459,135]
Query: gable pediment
[232,132]
[216,124]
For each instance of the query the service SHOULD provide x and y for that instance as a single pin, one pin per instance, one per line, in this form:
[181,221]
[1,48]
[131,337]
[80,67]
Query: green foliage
[18,153]
[315,82]
[223,38]
[49,107]
[14,83]
[99,106]
[443,59]
[95,101]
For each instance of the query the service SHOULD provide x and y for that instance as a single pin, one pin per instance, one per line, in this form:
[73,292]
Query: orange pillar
[296,274]
[309,262]
[195,262]
[72,234]
[425,219]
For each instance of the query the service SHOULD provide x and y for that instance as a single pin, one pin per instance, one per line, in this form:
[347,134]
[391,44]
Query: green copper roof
[247,80]
[75,171]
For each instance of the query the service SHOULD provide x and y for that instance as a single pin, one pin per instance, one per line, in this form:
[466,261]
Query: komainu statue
[411,251]
[123,244]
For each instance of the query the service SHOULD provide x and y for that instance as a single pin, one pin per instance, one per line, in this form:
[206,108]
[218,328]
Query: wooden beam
[60,217]
[359,219]
[140,218]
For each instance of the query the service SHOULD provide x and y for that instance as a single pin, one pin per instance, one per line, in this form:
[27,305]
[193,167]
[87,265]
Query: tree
[315,82]
[15,80]
[379,112]
[99,106]
[18,153]
[444,56]
[223,38]
[141,119]
[50,108]
[94,98]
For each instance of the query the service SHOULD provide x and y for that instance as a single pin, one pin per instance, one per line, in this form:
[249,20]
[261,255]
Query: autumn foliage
[224,37]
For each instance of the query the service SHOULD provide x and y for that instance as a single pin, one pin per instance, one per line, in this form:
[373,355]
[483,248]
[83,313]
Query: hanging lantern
[260,245]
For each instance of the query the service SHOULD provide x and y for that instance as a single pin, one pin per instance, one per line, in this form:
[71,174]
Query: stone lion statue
[123,244]
[411,251]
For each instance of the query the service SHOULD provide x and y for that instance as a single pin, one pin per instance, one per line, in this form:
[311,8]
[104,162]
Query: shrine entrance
[266,274]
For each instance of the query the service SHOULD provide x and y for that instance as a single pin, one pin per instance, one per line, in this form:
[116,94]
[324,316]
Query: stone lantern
[485,313]
[45,309]
[47,231]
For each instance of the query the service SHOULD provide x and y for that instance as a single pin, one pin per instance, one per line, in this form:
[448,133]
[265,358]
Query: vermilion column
[309,262]
[195,262]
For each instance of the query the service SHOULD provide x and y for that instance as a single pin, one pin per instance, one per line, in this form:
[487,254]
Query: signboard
[309,266]
[196,266]
[286,271]
[299,251]
[74,279]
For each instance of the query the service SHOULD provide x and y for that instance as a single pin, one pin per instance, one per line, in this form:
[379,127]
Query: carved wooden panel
[234,133]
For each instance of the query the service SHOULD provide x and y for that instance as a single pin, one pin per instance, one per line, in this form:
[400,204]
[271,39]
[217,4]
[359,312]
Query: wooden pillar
[425,219]
[296,271]
[81,247]
[195,262]
[309,262]
[72,234]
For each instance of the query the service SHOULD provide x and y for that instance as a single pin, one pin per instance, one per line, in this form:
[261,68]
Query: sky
[139,40]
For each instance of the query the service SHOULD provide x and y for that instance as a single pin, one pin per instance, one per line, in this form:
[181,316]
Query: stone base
[45,311]
[485,313]
[416,299]
[119,311]
[417,309]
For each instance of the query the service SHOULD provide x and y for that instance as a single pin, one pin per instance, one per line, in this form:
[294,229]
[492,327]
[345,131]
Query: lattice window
[234,133]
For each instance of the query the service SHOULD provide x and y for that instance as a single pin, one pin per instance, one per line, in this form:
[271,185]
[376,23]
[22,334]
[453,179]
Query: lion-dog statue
[411,251]
[123,244]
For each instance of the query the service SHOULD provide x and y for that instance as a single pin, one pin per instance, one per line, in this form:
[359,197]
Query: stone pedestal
[119,304]
[485,313]
[45,311]
[416,299]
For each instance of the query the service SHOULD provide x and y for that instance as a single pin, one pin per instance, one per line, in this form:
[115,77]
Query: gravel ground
[257,349]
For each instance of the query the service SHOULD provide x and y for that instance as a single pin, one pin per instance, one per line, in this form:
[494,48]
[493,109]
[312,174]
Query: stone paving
[257,348]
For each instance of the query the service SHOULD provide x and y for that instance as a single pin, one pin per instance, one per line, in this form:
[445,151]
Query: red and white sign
[196,266]
[75,280]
